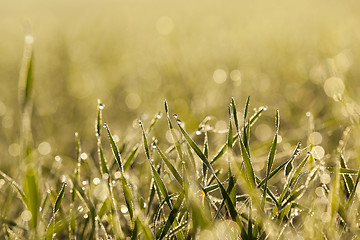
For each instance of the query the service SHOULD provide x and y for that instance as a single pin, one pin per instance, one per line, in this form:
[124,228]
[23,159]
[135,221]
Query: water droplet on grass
[101,106]
[198,132]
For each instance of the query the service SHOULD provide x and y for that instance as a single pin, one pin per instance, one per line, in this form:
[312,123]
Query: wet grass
[186,188]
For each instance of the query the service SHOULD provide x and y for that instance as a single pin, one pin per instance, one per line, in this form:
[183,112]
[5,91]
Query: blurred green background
[297,56]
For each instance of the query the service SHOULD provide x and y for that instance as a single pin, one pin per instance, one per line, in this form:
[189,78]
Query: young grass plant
[195,189]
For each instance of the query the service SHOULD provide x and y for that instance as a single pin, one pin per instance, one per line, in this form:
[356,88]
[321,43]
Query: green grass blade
[173,133]
[16,187]
[145,141]
[26,74]
[271,156]
[342,170]
[233,105]
[59,198]
[171,167]
[172,216]
[194,146]
[349,184]
[247,163]
[114,148]
[103,163]
[131,157]
[100,107]
[295,154]
[31,189]
[298,170]
[352,193]
[158,180]
[147,235]
[127,196]
[246,129]
[135,232]
[104,208]
[85,198]
[155,119]
[334,196]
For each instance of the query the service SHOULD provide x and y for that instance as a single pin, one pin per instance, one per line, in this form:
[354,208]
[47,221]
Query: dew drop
[96,181]
[265,108]
[86,216]
[101,106]
[85,183]
[83,156]
[179,121]
[58,159]
[198,132]
[159,116]
[105,125]
[123,209]
[117,175]
[175,116]
[105,176]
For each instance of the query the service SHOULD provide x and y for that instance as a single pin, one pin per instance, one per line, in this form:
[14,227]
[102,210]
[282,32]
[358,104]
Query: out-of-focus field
[294,56]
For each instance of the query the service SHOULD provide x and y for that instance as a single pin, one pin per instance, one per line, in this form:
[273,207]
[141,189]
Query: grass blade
[16,187]
[171,167]
[247,163]
[131,157]
[114,148]
[271,156]
[349,184]
[173,133]
[31,189]
[172,216]
[352,193]
[295,154]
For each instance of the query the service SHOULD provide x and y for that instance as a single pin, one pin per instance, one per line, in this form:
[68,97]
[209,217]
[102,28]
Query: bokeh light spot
[44,148]
[219,76]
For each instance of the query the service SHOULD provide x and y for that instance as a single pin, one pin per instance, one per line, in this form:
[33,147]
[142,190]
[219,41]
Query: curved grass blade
[156,118]
[127,196]
[171,167]
[234,215]
[172,216]
[147,235]
[51,226]
[157,179]
[16,187]
[114,148]
[59,198]
[295,154]
[194,146]
[247,163]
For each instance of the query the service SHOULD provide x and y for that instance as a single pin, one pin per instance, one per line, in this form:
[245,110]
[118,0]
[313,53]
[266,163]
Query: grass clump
[191,188]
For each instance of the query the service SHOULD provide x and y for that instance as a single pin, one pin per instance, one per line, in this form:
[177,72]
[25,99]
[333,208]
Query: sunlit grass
[154,189]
